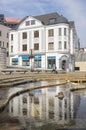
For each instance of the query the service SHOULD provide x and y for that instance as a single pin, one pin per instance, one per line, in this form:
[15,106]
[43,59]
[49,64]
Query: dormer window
[27,23]
[32,22]
[52,21]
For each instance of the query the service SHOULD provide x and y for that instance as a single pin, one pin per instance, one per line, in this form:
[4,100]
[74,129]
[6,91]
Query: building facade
[43,42]
[2,58]
[4,40]
[5,25]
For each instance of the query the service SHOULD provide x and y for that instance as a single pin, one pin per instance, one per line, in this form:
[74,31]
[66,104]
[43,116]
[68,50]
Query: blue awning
[51,57]
[37,57]
[25,57]
[15,59]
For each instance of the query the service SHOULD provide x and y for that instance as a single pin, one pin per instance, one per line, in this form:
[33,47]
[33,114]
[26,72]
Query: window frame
[36,46]
[51,46]
[60,45]
[24,35]
[50,32]
[24,47]
[36,34]
[60,31]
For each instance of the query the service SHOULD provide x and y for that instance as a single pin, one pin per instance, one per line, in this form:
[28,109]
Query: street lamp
[31,57]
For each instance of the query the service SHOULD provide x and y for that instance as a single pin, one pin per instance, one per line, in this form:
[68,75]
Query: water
[43,110]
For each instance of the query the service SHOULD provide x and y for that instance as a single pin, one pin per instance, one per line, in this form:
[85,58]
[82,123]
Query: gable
[29,22]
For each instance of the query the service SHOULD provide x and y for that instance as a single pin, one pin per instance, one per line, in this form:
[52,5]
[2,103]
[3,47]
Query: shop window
[14,61]
[25,60]
[37,63]
[51,62]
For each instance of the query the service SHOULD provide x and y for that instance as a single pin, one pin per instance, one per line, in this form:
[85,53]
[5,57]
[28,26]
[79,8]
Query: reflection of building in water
[43,104]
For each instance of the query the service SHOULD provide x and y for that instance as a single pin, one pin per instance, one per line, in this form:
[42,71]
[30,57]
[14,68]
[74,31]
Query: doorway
[64,64]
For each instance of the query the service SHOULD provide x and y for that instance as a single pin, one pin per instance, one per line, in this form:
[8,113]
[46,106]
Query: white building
[44,42]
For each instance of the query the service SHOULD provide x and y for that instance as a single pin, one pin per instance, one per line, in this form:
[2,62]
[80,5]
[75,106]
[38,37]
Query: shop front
[51,62]
[25,60]
[14,61]
[37,61]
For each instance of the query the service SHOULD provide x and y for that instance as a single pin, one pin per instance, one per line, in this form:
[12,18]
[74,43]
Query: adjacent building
[80,60]
[44,42]
[5,26]
[4,40]
[9,22]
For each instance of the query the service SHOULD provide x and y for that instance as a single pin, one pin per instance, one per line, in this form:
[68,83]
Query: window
[11,37]
[24,111]
[11,48]
[50,33]
[27,23]
[0,33]
[7,54]
[0,43]
[50,46]
[7,45]
[65,45]
[60,45]
[52,21]
[36,46]
[3,44]
[36,34]
[65,31]
[24,35]
[60,32]
[7,35]
[24,47]
[32,22]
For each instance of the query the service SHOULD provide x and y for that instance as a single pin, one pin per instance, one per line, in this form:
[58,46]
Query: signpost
[31,57]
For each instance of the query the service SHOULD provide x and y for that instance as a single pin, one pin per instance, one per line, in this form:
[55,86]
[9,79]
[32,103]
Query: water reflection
[43,105]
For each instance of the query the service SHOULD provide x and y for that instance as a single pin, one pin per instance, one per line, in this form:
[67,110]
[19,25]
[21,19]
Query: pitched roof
[46,17]
[12,20]
[72,24]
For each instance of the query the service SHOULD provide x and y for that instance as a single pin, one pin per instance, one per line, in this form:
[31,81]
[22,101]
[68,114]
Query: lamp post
[31,57]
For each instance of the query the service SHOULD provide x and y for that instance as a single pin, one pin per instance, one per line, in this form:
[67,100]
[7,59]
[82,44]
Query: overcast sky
[73,10]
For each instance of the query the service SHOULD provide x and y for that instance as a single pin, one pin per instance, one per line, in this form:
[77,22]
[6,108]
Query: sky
[73,10]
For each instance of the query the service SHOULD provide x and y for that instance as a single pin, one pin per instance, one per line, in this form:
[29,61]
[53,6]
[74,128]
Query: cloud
[72,9]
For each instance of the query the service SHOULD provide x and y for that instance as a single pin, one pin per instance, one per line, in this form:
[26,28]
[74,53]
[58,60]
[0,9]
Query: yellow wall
[82,65]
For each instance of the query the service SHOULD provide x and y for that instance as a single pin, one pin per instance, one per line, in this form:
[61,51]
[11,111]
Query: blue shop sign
[15,59]
[51,57]
[37,57]
[25,57]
